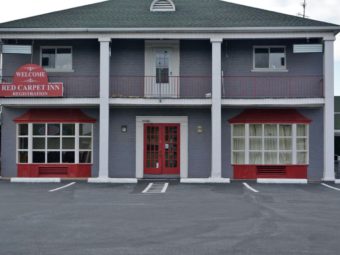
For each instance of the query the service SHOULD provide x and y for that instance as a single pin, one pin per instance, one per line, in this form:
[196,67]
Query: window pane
[38,157]
[270,144]
[85,157]
[285,144]
[23,157]
[69,129]
[238,130]
[53,143]
[68,143]
[85,129]
[261,58]
[270,130]
[285,158]
[64,59]
[255,158]
[23,129]
[38,143]
[302,158]
[285,130]
[53,157]
[23,143]
[39,129]
[301,144]
[277,58]
[48,58]
[301,130]
[255,130]
[270,158]
[255,144]
[68,156]
[53,129]
[337,122]
[238,158]
[85,143]
[162,75]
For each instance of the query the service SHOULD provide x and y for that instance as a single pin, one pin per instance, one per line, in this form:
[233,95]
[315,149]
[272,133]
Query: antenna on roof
[304,6]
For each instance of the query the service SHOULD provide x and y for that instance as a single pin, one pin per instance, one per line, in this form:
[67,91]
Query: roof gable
[188,14]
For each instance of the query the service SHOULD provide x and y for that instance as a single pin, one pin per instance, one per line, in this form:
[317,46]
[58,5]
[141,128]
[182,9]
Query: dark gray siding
[8,140]
[315,169]
[123,145]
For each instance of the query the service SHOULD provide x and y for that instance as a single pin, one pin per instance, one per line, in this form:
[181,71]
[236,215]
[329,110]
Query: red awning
[284,116]
[54,116]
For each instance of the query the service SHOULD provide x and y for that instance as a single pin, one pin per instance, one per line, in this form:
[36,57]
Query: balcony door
[162,71]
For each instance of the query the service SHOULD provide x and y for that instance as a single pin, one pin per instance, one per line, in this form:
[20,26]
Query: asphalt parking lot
[186,219]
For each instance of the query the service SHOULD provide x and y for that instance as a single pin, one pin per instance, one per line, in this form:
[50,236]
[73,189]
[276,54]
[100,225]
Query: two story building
[197,90]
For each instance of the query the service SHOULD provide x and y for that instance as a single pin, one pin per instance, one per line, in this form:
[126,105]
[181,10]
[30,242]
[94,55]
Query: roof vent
[162,6]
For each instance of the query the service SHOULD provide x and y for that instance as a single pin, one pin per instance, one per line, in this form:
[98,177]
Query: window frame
[55,48]
[269,69]
[76,149]
[294,138]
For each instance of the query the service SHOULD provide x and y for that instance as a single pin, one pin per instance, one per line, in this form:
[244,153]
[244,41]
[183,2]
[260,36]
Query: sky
[324,10]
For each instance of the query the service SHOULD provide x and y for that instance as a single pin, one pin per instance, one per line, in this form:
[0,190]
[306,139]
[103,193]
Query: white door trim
[141,120]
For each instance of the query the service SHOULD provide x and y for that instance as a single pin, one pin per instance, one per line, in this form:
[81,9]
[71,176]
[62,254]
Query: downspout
[1,59]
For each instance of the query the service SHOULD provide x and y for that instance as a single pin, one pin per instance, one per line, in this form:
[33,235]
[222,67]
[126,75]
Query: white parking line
[330,187]
[250,188]
[63,187]
[165,187]
[147,187]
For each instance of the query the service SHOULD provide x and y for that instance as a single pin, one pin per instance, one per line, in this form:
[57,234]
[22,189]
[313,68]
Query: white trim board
[112,180]
[140,121]
[35,180]
[294,102]
[159,102]
[205,180]
[282,181]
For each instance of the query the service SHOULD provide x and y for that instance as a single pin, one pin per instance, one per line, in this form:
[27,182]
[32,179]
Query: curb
[35,180]
[282,181]
[205,180]
[112,180]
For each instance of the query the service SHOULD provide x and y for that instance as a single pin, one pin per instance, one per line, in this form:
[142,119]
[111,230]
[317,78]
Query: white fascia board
[307,102]
[205,180]
[35,180]
[22,102]
[112,180]
[282,181]
[159,102]
[178,34]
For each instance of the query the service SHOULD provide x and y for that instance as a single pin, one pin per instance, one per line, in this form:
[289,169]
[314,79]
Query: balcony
[181,87]
[254,87]
[85,86]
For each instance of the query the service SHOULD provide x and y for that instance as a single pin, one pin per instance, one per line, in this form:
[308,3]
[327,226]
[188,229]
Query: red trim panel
[284,116]
[55,170]
[249,172]
[54,115]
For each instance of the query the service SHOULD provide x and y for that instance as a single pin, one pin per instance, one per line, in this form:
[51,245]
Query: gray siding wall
[8,140]
[315,169]
[123,145]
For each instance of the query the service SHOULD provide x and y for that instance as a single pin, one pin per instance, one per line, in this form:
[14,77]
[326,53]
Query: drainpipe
[1,59]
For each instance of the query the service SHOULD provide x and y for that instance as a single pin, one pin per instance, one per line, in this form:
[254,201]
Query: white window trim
[55,70]
[294,138]
[45,150]
[255,69]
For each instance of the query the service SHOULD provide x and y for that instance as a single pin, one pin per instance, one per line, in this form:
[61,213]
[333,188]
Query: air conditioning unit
[307,48]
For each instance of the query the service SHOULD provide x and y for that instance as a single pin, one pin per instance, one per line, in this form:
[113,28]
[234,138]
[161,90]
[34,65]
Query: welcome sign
[31,81]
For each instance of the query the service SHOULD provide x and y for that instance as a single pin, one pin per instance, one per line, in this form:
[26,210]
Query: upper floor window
[56,58]
[269,58]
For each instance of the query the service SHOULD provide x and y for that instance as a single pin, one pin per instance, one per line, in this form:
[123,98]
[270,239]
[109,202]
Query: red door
[162,149]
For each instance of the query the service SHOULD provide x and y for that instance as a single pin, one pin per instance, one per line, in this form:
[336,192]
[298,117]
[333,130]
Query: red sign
[31,81]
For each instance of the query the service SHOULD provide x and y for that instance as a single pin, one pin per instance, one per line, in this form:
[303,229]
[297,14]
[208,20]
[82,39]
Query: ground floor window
[54,143]
[270,144]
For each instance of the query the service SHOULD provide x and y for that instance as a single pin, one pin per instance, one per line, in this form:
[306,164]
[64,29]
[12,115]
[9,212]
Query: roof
[281,116]
[54,116]
[188,14]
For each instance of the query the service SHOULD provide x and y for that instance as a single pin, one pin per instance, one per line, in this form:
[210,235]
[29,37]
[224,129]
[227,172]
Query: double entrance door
[162,149]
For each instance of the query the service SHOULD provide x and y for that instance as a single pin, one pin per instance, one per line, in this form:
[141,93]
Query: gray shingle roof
[188,14]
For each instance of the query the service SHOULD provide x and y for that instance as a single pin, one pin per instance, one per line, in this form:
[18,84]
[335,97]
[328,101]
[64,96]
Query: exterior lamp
[199,129]
[123,128]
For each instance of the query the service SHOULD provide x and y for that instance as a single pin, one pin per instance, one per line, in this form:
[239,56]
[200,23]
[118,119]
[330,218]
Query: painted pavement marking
[250,188]
[330,187]
[62,187]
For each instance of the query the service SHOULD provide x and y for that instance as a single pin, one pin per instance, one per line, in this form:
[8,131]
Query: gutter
[335,29]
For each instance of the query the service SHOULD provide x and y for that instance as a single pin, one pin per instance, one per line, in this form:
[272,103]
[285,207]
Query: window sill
[59,70]
[269,70]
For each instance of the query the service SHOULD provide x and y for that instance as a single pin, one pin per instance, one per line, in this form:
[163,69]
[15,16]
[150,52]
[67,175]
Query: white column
[216,111]
[104,108]
[329,174]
